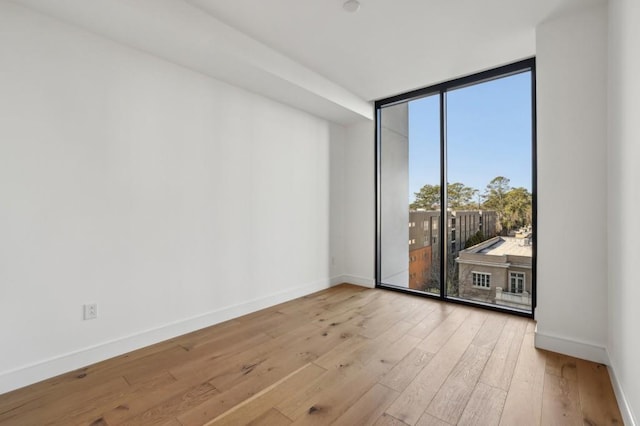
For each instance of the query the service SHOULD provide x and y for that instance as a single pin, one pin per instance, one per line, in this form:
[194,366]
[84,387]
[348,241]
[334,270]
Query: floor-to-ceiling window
[456,190]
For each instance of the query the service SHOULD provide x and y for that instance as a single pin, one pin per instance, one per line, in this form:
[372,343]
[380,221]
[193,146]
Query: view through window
[472,239]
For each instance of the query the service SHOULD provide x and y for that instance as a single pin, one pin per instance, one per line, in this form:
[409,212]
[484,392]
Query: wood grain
[347,356]
[484,407]
[594,386]
[523,405]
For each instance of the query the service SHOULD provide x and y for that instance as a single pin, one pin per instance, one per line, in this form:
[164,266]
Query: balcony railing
[512,299]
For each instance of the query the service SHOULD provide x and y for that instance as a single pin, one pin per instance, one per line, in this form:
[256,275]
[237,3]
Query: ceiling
[313,55]
[390,46]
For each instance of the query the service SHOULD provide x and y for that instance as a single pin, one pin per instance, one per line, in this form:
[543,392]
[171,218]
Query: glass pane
[424,193]
[410,195]
[489,188]
[394,184]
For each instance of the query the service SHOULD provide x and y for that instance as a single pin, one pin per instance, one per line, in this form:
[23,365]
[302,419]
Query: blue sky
[488,134]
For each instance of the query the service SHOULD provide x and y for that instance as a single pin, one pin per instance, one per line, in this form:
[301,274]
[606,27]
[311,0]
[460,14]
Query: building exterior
[424,236]
[498,271]
[463,224]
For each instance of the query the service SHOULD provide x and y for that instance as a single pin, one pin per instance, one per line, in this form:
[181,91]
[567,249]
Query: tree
[495,197]
[476,238]
[518,208]
[512,205]
[428,198]
[460,196]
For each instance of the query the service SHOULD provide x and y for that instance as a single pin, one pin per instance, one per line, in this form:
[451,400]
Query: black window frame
[526,65]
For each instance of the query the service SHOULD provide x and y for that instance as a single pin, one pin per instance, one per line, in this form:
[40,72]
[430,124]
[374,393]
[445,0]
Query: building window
[516,282]
[481,279]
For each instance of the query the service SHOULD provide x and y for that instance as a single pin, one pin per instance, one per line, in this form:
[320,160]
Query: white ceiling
[313,55]
[391,46]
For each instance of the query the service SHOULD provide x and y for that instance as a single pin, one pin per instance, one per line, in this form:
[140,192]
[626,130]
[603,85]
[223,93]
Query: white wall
[337,200]
[172,200]
[624,202]
[572,176]
[359,213]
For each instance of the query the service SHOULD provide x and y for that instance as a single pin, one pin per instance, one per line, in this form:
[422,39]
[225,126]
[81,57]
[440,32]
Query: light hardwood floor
[344,356]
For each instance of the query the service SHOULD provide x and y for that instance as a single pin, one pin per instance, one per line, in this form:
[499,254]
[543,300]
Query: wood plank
[560,398]
[369,407]
[523,405]
[502,362]
[413,401]
[406,370]
[334,393]
[561,365]
[343,351]
[441,335]
[249,380]
[172,422]
[396,331]
[484,407]
[355,302]
[428,420]
[432,320]
[597,399]
[560,402]
[271,418]
[95,409]
[172,407]
[488,336]
[261,403]
[222,361]
[380,321]
[135,403]
[422,310]
[312,344]
[452,397]
[389,420]
[48,391]
[53,410]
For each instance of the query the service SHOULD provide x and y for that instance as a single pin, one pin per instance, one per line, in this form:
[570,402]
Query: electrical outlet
[91,311]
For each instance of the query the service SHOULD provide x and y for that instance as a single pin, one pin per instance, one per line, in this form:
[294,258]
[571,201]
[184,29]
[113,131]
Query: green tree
[428,198]
[512,205]
[495,197]
[518,208]
[460,196]
[476,238]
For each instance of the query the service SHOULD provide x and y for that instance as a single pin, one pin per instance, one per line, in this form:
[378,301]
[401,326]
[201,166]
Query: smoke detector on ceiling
[351,5]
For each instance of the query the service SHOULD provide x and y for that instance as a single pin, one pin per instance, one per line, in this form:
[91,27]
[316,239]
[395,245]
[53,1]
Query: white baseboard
[357,280]
[623,403]
[571,347]
[29,374]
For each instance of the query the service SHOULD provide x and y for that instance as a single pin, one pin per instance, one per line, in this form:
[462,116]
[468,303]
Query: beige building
[498,271]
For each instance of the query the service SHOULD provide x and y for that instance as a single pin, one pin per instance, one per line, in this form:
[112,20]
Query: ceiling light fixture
[351,5]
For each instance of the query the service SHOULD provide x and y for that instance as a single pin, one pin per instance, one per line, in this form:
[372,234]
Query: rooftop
[500,246]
